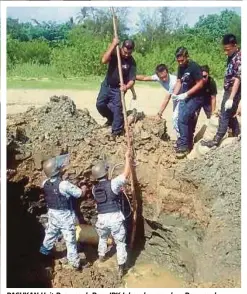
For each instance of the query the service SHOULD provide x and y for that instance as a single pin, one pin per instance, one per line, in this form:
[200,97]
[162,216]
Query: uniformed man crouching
[107,194]
[61,216]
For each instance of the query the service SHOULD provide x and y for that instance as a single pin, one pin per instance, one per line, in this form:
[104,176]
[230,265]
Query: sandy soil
[148,100]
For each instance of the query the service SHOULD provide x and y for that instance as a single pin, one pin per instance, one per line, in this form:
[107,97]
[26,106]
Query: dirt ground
[148,100]
[179,215]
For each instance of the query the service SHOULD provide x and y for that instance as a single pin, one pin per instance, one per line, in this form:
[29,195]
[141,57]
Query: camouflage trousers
[112,224]
[61,221]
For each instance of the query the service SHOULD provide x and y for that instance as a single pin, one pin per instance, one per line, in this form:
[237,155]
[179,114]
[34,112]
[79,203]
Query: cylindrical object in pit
[87,234]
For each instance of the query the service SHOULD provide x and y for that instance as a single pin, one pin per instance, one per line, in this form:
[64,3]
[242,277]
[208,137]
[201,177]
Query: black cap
[129,44]
[181,51]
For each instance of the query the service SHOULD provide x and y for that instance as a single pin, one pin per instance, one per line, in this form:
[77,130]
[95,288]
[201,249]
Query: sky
[61,14]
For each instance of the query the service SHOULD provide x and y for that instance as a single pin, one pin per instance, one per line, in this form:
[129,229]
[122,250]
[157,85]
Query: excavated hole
[153,240]
[188,231]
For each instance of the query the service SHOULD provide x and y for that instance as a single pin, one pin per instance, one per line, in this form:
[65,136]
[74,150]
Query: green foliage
[28,31]
[214,26]
[36,51]
[33,70]
[74,49]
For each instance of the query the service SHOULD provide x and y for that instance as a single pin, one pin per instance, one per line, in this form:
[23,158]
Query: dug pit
[188,231]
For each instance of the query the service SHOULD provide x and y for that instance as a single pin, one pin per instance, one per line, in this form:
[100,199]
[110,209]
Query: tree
[99,21]
[157,27]
[216,25]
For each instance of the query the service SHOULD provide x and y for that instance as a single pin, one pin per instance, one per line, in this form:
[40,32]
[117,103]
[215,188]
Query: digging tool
[129,143]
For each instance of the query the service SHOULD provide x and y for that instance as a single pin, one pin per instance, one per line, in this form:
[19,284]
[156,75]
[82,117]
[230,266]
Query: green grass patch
[34,76]
[90,83]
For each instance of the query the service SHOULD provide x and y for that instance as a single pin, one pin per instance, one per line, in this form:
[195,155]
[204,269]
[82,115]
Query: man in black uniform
[209,91]
[189,84]
[109,99]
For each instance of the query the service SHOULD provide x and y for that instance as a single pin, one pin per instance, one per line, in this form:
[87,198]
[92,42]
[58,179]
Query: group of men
[62,219]
[192,89]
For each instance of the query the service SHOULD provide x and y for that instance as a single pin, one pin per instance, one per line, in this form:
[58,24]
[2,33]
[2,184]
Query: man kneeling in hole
[107,194]
[61,216]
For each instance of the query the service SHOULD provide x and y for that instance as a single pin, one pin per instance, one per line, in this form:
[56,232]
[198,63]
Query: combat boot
[182,152]
[107,124]
[212,143]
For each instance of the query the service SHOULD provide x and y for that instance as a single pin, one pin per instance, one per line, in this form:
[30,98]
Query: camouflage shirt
[233,69]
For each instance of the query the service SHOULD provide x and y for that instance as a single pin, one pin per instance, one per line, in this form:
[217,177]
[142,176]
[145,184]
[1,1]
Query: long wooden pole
[129,142]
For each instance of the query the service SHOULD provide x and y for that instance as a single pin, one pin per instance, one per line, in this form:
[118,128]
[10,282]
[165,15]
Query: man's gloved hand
[228,104]
[180,97]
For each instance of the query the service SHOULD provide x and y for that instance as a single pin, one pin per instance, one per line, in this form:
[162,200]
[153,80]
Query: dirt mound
[58,126]
[182,205]
[219,177]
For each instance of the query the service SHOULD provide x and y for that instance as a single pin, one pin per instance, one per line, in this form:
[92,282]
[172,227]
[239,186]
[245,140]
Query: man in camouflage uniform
[61,216]
[232,93]
[110,217]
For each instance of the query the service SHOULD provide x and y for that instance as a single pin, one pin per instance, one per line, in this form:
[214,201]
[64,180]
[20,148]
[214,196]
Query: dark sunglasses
[205,76]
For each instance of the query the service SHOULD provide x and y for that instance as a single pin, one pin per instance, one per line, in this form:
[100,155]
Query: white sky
[61,14]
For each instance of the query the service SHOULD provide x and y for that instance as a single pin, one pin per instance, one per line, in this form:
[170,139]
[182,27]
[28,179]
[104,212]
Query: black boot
[212,143]
[107,124]
[182,152]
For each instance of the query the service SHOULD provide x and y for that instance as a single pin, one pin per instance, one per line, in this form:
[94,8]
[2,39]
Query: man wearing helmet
[61,216]
[110,217]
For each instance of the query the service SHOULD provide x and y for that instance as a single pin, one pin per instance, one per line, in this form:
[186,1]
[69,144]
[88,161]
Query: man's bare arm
[129,85]
[144,78]
[213,103]
[235,88]
[107,55]
[195,88]
[164,104]
[177,87]
[127,164]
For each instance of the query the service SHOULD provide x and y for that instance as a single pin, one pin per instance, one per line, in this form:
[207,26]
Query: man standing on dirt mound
[109,99]
[107,194]
[232,92]
[61,216]
[189,84]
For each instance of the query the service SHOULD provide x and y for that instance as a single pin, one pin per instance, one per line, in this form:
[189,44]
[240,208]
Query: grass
[54,83]
[33,76]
